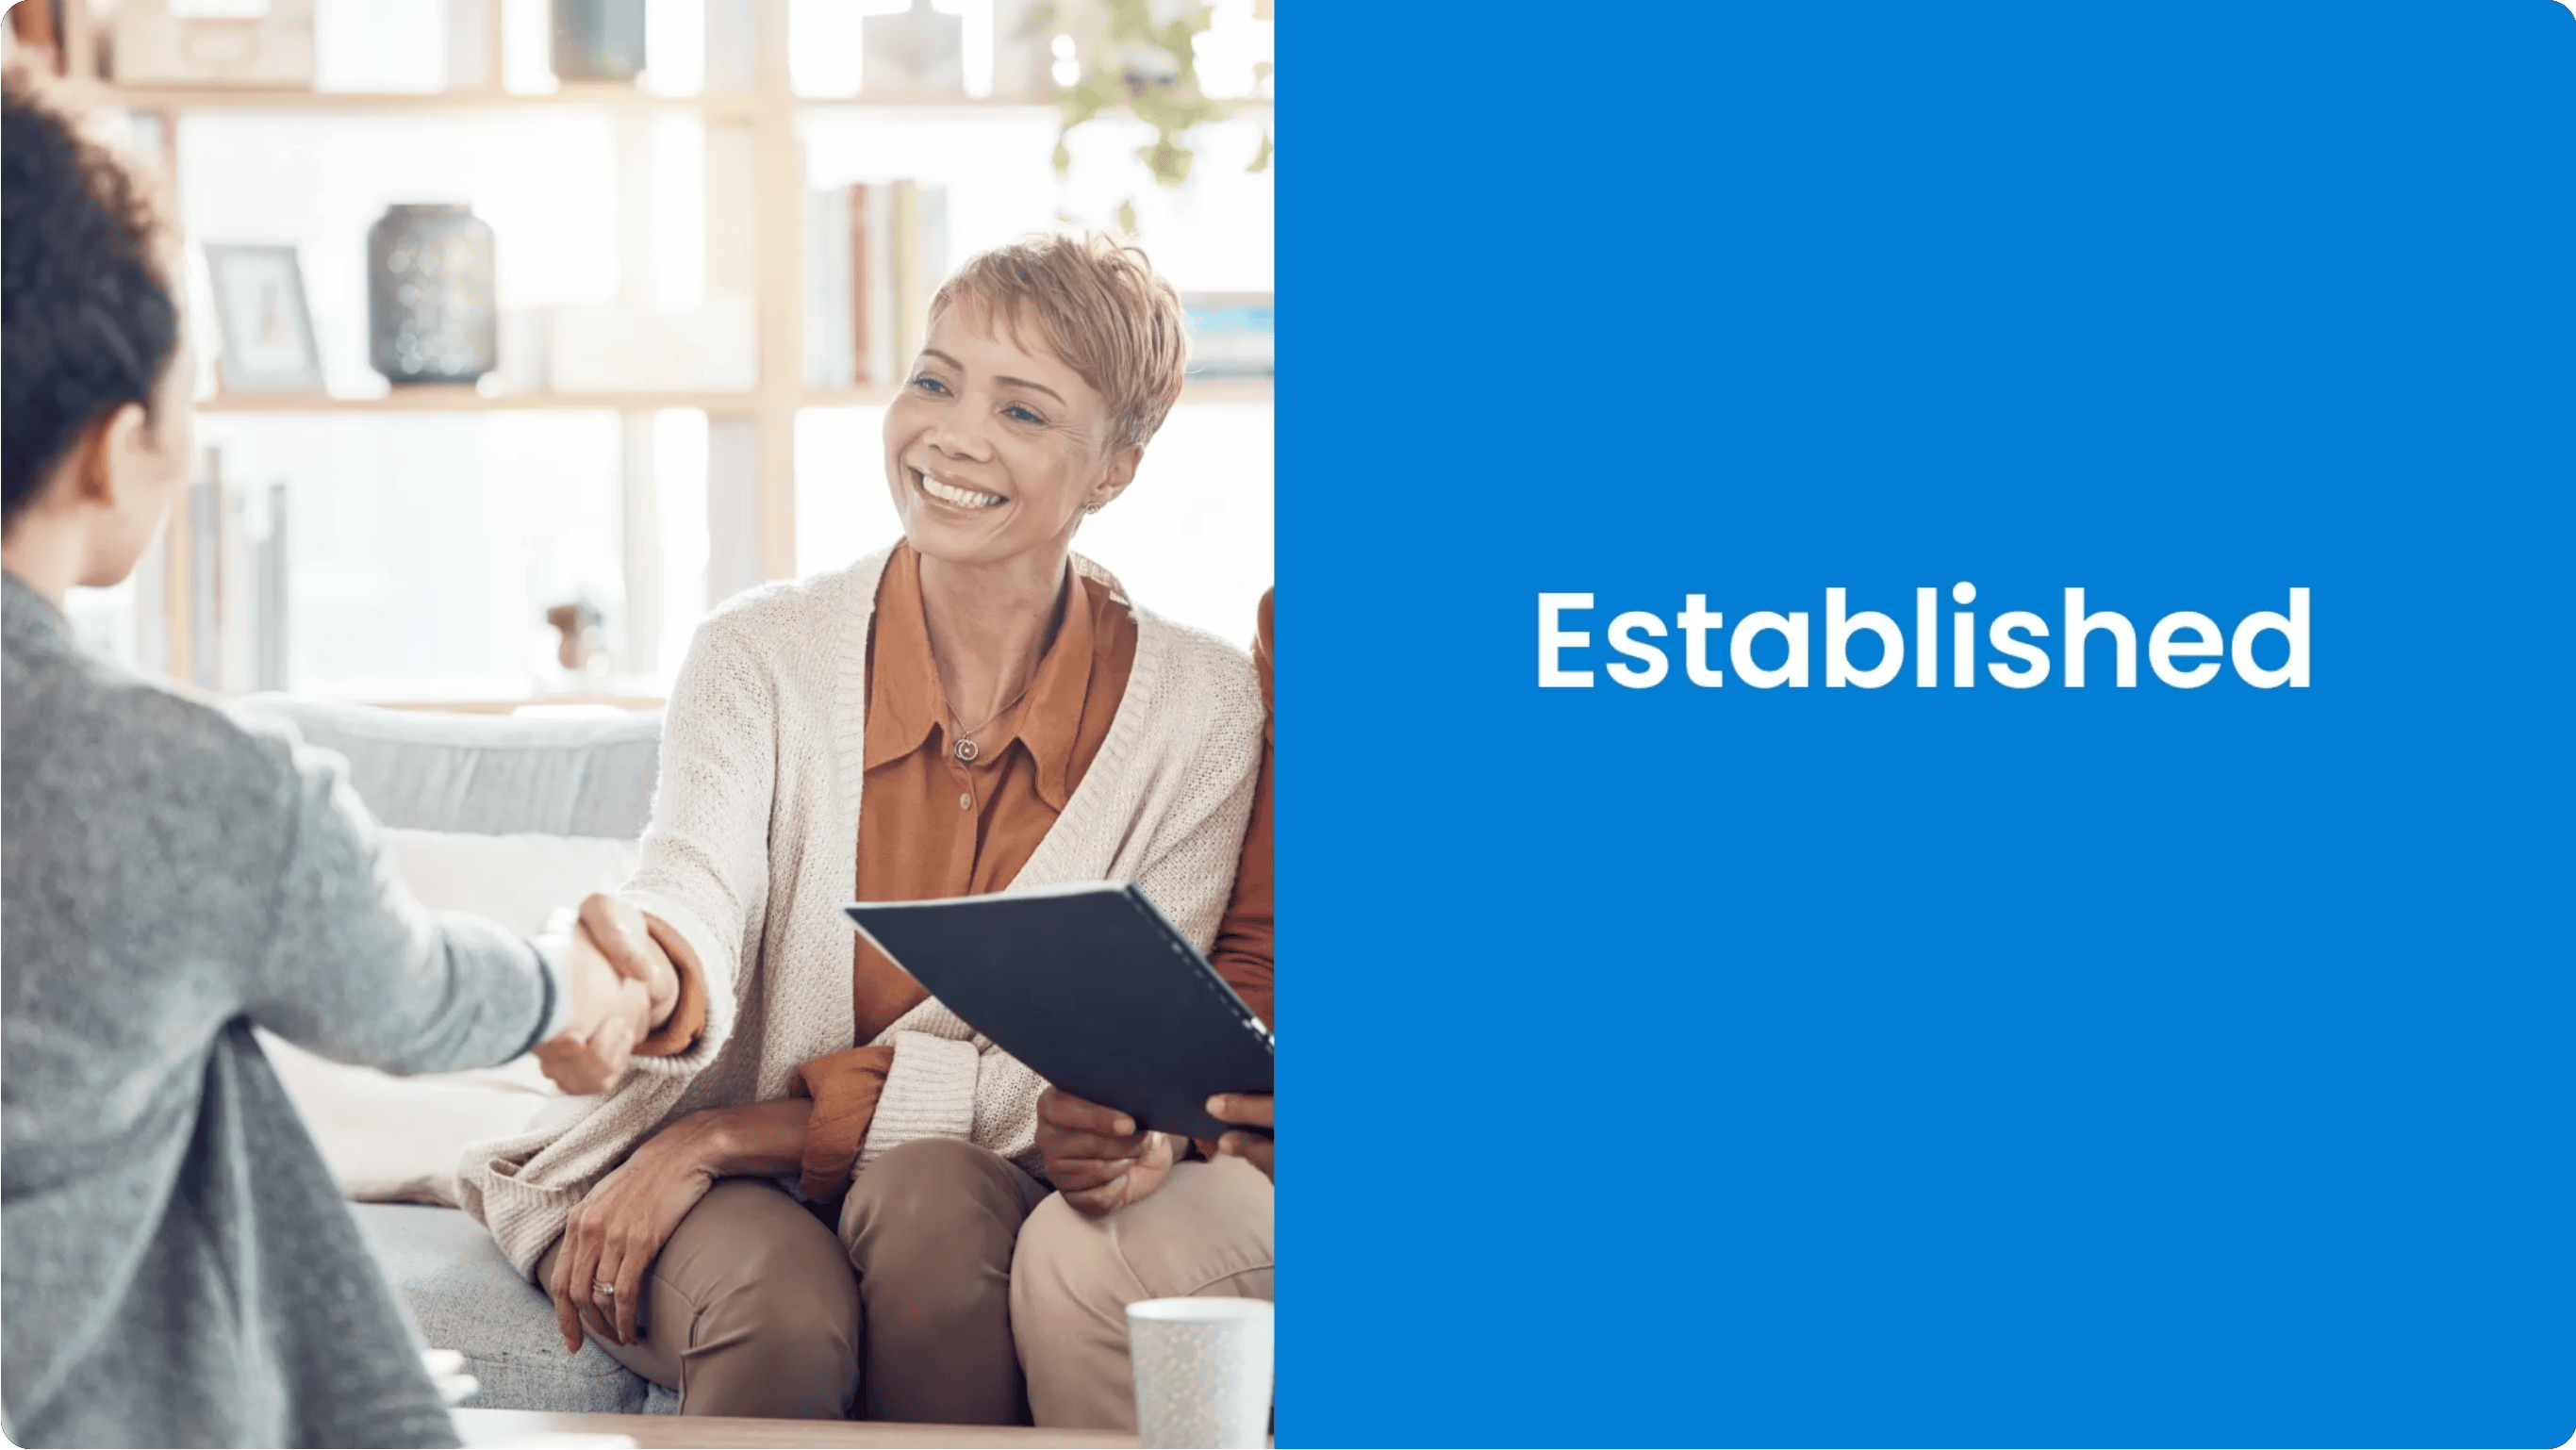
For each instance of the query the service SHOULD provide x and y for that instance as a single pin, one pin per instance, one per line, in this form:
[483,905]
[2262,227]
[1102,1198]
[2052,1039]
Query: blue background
[1917,1067]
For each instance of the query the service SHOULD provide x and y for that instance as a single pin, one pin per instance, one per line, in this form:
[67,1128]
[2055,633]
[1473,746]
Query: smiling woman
[977,708]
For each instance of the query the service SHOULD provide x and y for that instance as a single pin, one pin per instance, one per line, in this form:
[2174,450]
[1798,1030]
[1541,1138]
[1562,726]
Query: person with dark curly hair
[176,1267]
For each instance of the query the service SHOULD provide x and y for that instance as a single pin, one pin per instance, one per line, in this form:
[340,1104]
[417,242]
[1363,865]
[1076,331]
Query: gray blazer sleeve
[356,970]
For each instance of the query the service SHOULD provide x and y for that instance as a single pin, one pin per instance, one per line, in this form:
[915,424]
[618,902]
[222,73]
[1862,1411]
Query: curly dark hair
[88,322]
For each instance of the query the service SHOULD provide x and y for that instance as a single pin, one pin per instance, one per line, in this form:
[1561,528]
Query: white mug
[1202,1373]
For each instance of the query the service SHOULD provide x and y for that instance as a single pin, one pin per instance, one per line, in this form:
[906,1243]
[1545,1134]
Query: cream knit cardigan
[753,850]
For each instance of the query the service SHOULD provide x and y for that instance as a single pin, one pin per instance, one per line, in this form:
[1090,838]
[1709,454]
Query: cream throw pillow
[392,1139]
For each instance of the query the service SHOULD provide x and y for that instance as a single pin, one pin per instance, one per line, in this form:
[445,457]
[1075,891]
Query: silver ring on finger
[603,1289]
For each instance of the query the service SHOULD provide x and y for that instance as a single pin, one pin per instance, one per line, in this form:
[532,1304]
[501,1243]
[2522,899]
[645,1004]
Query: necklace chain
[965,736]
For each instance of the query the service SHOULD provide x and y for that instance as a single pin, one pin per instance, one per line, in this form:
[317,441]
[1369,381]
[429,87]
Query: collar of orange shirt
[907,706]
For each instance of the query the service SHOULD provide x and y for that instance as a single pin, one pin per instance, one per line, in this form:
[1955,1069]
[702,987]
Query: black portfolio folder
[1090,987]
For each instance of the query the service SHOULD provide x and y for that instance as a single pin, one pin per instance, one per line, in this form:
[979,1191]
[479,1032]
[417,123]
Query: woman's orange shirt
[935,825]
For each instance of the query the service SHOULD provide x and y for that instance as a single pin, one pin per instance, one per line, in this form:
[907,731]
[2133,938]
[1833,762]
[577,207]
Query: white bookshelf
[756,181]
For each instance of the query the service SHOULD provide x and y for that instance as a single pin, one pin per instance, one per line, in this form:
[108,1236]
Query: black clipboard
[1092,988]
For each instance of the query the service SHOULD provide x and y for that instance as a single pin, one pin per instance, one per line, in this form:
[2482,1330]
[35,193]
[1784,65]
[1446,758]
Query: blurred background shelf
[469,400]
[659,434]
[247,98]
[723,104]
[1226,390]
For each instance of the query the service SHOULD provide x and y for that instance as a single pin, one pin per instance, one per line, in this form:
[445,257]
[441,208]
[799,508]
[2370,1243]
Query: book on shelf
[215,611]
[1231,334]
[874,254]
[269,601]
[828,353]
[206,583]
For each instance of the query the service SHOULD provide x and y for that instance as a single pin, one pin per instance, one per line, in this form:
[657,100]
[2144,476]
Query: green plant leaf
[1162,91]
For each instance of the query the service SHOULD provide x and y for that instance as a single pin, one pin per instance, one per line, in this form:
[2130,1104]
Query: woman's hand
[617,931]
[1252,1109]
[1095,1156]
[616,1232]
[611,1012]
[624,988]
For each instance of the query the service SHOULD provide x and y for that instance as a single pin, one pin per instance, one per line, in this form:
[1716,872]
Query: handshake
[623,988]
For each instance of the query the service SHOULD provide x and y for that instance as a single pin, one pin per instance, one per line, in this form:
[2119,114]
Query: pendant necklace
[967,749]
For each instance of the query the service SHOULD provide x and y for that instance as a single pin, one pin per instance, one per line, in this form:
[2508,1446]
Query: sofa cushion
[519,879]
[465,1297]
[487,774]
[400,1139]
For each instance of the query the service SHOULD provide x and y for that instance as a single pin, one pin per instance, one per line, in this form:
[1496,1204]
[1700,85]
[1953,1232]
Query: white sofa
[507,817]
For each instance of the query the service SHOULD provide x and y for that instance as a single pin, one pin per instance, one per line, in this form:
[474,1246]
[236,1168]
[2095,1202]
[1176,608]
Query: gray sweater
[176,1266]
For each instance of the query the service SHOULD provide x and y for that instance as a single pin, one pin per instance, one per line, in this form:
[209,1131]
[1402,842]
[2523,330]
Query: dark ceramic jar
[431,315]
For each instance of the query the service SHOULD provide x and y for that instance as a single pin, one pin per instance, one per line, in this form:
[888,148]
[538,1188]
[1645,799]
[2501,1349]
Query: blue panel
[1927,1066]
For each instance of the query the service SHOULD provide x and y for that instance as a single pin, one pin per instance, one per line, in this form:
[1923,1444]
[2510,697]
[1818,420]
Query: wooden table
[671,1432]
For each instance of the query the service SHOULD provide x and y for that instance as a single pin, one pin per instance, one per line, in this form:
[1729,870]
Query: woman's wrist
[755,1140]
[687,1145]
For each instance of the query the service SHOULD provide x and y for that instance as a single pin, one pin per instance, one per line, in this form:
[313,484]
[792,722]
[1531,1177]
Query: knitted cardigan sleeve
[704,863]
[704,871]
[949,1081]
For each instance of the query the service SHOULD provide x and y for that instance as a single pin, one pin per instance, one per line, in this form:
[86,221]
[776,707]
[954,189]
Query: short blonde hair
[1106,313]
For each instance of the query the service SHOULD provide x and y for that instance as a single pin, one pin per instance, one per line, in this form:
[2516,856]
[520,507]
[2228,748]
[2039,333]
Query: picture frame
[266,329]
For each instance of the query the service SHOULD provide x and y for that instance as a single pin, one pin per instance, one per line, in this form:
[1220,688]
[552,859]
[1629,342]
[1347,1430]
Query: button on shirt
[938,819]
